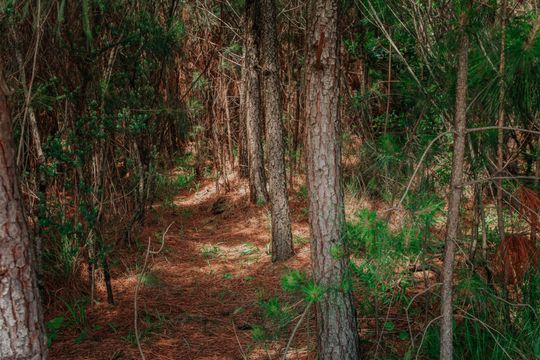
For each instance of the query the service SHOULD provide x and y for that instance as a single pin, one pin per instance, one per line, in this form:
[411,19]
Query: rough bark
[282,247]
[257,179]
[22,334]
[337,336]
[454,199]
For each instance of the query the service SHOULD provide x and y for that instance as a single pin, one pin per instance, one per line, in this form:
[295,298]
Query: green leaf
[403,335]
[389,326]
[55,323]
[258,333]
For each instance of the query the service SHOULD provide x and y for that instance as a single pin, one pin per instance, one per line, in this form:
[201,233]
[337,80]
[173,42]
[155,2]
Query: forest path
[199,297]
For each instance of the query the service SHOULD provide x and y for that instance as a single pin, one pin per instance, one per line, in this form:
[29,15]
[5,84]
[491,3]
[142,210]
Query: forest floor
[199,296]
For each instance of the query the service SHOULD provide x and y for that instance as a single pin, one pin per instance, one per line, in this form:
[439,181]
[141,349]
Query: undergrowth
[395,277]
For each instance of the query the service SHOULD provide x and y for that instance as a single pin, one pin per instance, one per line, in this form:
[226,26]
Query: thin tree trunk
[22,335]
[257,179]
[484,230]
[282,247]
[476,221]
[337,336]
[388,89]
[230,153]
[454,200]
[537,171]
[500,124]
[242,141]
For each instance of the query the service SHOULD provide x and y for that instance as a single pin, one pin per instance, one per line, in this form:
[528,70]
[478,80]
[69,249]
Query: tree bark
[282,247]
[257,179]
[337,336]
[454,200]
[22,334]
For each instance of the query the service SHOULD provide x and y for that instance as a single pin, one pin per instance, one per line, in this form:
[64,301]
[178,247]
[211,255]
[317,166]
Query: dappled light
[269,180]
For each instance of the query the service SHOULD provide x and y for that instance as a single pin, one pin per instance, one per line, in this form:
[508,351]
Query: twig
[408,307]
[470,130]
[296,329]
[492,178]
[32,76]
[489,328]
[382,330]
[135,308]
[238,341]
[418,168]
[511,128]
[424,334]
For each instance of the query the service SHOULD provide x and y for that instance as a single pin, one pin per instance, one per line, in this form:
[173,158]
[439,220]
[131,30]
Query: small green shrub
[150,279]
[210,251]
[249,249]
[54,327]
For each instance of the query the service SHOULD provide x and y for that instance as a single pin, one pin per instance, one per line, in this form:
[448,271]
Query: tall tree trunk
[282,247]
[454,200]
[500,123]
[22,334]
[337,336]
[257,179]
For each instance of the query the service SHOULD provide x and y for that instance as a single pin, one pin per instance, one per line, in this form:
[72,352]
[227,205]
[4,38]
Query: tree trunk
[537,171]
[22,334]
[243,166]
[454,200]
[282,247]
[257,180]
[337,336]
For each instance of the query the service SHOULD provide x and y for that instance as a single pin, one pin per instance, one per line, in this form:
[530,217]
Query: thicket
[109,96]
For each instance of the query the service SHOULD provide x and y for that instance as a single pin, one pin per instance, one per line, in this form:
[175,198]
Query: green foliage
[150,279]
[62,252]
[302,192]
[258,333]
[312,291]
[293,281]
[152,323]
[168,186]
[115,109]
[249,249]
[77,317]
[276,317]
[54,327]
[228,276]
[86,21]
[210,251]
[300,240]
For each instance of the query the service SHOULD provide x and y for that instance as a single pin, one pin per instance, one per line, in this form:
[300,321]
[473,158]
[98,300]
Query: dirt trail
[200,295]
